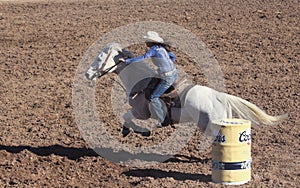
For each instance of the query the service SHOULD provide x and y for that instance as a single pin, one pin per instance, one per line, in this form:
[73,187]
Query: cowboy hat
[153,36]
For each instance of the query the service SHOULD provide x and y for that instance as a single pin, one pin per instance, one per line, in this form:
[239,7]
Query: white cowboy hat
[153,36]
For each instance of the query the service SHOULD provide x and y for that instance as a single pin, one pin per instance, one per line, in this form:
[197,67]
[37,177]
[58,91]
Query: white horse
[200,104]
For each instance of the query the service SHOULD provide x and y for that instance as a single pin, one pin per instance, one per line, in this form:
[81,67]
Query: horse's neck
[129,82]
[137,73]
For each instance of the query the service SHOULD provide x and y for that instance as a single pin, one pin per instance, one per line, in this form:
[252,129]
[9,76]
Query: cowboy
[164,60]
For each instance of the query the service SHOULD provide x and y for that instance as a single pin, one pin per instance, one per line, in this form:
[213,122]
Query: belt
[168,73]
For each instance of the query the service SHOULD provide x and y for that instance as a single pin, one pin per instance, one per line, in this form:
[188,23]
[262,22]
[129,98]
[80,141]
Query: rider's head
[150,44]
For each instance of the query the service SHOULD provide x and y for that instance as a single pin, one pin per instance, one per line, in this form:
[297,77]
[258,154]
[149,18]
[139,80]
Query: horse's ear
[126,53]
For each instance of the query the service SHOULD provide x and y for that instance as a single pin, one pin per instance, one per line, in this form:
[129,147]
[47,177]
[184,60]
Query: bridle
[104,72]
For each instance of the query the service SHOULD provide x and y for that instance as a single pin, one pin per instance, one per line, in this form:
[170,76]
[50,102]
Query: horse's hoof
[167,122]
[125,131]
[147,133]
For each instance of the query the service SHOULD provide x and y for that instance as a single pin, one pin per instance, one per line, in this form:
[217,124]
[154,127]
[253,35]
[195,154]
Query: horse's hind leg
[128,117]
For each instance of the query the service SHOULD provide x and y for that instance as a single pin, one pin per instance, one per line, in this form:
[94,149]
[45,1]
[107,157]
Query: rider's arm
[149,53]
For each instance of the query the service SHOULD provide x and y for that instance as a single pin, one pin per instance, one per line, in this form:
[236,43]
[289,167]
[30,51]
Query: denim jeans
[156,107]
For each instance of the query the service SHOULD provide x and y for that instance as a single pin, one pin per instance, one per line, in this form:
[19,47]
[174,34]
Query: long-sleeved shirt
[160,57]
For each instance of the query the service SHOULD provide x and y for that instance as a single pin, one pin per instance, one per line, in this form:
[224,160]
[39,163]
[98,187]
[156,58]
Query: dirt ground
[256,44]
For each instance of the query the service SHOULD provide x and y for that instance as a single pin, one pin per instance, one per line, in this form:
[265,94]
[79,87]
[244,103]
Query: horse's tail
[249,111]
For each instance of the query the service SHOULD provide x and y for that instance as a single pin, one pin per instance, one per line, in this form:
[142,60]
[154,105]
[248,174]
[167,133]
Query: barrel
[231,151]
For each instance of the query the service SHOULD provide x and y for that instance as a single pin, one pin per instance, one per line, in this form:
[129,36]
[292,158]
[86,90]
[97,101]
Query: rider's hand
[122,60]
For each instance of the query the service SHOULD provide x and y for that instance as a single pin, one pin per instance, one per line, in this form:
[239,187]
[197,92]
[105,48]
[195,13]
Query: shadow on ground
[155,173]
[69,152]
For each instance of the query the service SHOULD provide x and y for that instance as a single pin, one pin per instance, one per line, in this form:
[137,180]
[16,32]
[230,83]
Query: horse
[198,104]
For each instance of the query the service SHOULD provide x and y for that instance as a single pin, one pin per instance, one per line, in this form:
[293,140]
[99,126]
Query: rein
[108,69]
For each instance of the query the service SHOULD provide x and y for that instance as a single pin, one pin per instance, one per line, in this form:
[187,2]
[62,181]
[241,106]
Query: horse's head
[106,61]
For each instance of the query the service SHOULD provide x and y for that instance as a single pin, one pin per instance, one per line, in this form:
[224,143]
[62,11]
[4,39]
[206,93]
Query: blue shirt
[160,57]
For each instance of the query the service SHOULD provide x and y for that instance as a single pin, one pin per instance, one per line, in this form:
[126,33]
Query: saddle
[171,98]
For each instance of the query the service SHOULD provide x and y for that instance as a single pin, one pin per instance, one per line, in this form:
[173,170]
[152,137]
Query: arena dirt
[256,44]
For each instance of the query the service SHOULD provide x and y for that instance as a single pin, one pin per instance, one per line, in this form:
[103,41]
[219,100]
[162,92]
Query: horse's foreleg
[129,124]
[128,116]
